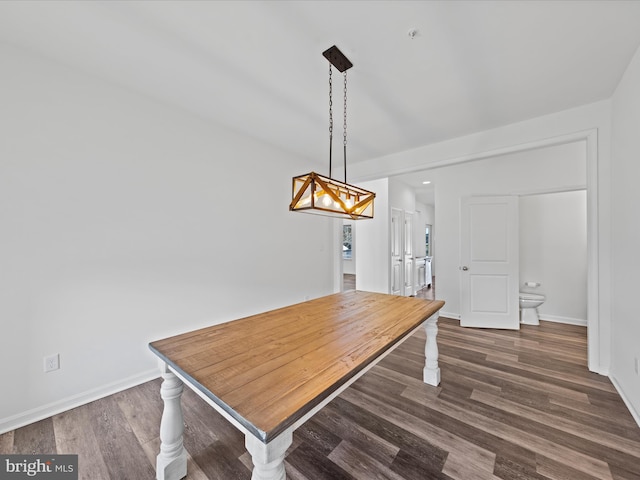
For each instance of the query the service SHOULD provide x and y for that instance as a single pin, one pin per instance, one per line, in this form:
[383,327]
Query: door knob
[465,268]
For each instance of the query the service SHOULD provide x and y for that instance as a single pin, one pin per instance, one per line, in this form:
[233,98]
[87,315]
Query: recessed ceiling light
[427,182]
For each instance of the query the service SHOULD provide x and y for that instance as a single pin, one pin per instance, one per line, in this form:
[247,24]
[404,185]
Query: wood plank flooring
[511,405]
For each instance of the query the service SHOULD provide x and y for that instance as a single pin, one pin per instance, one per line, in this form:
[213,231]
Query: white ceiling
[257,66]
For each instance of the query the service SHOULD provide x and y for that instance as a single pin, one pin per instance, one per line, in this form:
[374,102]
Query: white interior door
[489,270]
[397,280]
[409,274]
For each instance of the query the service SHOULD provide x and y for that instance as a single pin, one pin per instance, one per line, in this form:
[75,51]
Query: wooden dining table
[269,373]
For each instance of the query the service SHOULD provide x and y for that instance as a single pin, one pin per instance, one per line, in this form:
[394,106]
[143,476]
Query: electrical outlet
[52,363]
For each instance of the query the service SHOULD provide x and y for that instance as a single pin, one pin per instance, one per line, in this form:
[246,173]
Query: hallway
[428,293]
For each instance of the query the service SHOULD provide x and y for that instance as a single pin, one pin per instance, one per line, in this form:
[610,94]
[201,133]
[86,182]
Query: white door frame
[598,338]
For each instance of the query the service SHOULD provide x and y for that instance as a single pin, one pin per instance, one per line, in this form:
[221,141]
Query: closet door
[409,267]
[397,272]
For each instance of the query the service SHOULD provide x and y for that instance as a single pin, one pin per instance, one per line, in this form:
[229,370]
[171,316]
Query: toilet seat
[531,296]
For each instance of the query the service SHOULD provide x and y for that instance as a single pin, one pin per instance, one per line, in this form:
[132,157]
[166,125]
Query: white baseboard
[48,410]
[548,318]
[634,413]
[559,319]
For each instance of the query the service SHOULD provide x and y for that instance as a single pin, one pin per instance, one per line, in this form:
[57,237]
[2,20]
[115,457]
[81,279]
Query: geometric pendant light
[321,194]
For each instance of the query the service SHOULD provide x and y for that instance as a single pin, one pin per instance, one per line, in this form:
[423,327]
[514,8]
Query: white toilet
[529,302]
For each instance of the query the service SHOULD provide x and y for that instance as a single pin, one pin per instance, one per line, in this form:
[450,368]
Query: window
[347,239]
[428,244]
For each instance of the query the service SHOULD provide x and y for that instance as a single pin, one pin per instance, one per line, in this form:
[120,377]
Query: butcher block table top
[269,370]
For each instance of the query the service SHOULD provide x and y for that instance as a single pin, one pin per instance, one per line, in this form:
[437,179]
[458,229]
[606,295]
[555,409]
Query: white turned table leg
[268,458]
[431,372]
[171,463]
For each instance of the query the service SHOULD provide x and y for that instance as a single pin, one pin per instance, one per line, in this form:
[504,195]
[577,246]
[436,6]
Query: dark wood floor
[428,293]
[511,405]
[348,281]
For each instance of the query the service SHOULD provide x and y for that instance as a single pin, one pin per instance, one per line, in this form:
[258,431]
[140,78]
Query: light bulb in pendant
[305,201]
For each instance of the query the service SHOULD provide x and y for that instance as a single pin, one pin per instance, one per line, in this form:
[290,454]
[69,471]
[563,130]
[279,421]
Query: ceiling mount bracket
[337,59]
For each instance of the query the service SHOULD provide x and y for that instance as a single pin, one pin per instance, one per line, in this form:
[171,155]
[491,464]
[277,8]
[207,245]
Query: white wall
[124,221]
[372,242]
[525,172]
[401,196]
[626,234]
[553,252]
[591,122]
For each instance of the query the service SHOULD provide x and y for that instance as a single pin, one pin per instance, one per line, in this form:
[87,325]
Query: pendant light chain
[330,117]
[344,127]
